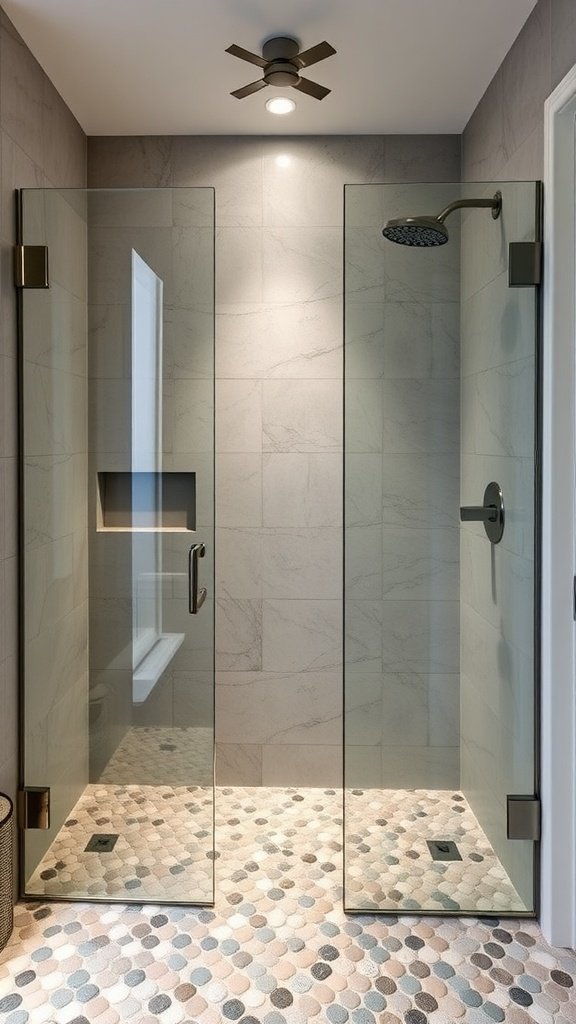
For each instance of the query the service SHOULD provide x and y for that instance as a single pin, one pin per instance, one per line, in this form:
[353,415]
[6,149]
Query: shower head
[419,231]
[427,232]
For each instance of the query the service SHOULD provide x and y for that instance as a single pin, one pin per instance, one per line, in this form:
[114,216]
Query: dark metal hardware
[491,513]
[196,594]
[523,817]
[34,807]
[31,266]
[524,264]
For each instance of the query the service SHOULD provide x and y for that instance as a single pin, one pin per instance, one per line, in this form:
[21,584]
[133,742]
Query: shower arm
[495,204]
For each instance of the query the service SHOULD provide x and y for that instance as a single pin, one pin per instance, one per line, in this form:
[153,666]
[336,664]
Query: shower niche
[441,357]
[118,480]
[146,501]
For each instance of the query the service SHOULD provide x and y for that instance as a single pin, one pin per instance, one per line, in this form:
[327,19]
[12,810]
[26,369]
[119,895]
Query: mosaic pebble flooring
[389,866]
[159,755]
[163,851]
[278,947]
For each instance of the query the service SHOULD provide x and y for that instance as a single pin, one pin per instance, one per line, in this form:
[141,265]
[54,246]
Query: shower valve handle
[491,513]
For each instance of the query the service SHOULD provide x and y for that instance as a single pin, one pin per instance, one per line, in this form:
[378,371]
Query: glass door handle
[196,594]
[491,513]
[478,513]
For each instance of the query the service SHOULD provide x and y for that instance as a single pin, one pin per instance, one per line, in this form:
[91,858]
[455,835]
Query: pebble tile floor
[277,948]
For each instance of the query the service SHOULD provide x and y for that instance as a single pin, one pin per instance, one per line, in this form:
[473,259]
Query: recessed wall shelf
[146,502]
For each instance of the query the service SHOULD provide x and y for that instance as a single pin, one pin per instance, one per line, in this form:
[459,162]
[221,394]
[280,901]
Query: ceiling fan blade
[314,54]
[311,88]
[252,58]
[247,90]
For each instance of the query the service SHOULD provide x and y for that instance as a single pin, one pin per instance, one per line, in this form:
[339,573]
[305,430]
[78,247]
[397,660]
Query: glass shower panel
[132,318]
[440,388]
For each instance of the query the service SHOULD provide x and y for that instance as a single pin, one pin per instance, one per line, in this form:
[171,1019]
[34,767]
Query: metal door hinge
[31,266]
[523,817]
[34,807]
[524,264]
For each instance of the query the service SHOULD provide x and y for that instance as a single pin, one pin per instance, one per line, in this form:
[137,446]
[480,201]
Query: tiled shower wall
[279,207]
[41,144]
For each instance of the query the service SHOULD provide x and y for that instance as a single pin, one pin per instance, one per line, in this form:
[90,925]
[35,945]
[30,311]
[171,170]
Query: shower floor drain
[443,849]
[101,843]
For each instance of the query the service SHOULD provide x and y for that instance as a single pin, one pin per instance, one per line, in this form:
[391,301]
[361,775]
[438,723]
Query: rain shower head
[427,232]
[419,231]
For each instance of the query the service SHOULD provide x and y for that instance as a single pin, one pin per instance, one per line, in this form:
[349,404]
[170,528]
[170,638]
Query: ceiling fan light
[280,105]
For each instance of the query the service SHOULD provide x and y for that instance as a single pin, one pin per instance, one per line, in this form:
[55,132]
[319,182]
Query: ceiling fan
[282,63]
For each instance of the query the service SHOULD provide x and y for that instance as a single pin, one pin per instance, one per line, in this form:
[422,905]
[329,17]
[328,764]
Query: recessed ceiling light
[280,105]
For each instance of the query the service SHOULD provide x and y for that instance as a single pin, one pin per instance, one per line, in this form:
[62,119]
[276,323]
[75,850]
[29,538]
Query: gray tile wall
[504,138]
[40,144]
[279,205]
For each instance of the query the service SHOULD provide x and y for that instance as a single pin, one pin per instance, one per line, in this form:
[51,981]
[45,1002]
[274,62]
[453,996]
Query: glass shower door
[441,385]
[118,551]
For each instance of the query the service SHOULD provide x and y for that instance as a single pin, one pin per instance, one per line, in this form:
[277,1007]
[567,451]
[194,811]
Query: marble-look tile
[421,158]
[517,480]
[230,164]
[417,767]
[64,142]
[301,636]
[301,563]
[419,564]
[110,416]
[238,416]
[18,171]
[302,490]
[363,621]
[363,561]
[49,585]
[193,416]
[404,711]
[363,712]
[364,416]
[239,635]
[298,763]
[300,264]
[303,340]
[485,241]
[444,710]
[420,636]
[21,96]
[301,416]
[239,562]
[131,162]
[274,708]
[8,414]
[9,740]
[109,341]
[528,160]
[499,585]
[365,339]
[238,764]
[420,490]
[56,659]
[188,341]
[526,77]
[364,265]
[420,416]
[362,767]
[562,39]
[303,178]
[193,699]
[239,265]
[193,207]
[498,410]
[56,402]
[498,326]
[190,282]
[239,489]
[56,330]
[483,149]
[363,489]
[110,264]
[49,488]
[134,208]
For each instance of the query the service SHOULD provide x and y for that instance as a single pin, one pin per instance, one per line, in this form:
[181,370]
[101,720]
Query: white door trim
[558,875]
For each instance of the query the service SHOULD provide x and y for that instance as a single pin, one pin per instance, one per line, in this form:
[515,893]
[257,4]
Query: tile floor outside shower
[278,947]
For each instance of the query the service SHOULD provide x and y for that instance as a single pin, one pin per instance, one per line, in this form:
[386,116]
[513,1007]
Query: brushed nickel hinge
[31,266]
[523,817]
[34,807]
[524,264]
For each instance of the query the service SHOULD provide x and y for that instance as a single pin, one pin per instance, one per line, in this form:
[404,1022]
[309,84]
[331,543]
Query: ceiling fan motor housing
[279,52]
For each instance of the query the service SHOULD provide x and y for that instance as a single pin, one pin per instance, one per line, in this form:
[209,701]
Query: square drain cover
[101,843]
[443,849]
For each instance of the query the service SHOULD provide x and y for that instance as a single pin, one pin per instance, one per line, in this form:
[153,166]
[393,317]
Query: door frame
[558,723]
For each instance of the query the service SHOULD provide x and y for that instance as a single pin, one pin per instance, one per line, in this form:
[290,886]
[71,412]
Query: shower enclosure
[117,441]
[441,399]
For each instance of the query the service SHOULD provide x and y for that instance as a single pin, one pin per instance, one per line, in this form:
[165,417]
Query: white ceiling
[155,67]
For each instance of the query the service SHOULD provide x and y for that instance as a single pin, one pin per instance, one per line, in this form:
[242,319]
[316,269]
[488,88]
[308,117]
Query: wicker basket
[6,878]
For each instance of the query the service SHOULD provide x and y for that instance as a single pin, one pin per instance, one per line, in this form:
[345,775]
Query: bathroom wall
[279,206]
[504,140]
[41,144]
[401,537]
